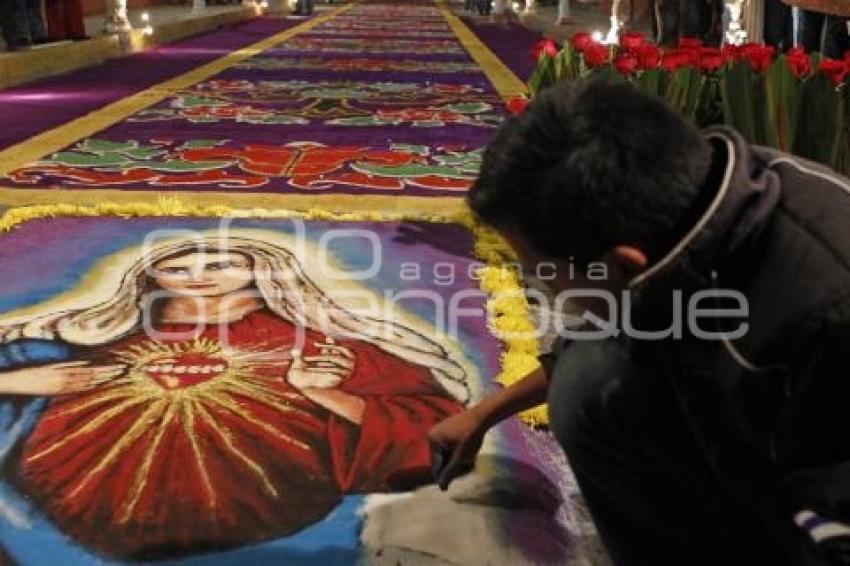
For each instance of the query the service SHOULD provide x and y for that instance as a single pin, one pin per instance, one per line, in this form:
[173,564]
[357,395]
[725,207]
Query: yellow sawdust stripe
[51,141]
[389,203]
[506,83]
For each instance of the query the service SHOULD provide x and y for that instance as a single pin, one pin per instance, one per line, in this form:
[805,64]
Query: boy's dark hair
[591,166]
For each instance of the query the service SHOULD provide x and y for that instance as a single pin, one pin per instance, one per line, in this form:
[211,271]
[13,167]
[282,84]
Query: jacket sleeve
[811,443]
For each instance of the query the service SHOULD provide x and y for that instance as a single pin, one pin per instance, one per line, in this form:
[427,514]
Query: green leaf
[467,107]
[736,88]
[543,76]
[178,166]
[566,66]
[822,121]
[100,146]
[782,104]
[680,91]
[842,160]
[361,121]
[200,144]
[142,153]
[77,159]
[192,101]
[275,120]
[649,81]
[409,148]
[410,170]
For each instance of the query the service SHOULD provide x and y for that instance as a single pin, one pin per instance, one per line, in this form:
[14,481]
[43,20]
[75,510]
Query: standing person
[705,436]
[836,37]
[564,15]
[23,23]
[823,26]
[681,18]
[753,19]
[7,27]
[810,35]
[778,25]
[65,19]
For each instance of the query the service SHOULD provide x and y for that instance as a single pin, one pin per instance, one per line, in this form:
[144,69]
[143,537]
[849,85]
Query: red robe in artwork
[203,446]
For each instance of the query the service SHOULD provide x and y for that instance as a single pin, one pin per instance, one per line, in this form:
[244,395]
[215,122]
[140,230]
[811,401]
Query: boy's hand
[455,443]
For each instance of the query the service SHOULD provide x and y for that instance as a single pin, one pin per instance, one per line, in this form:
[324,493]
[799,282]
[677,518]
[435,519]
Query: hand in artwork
[57,379]
[331,367]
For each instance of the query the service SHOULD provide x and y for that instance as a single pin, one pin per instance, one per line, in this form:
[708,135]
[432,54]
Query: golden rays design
[188,419]
[227,438]
[173,387]
[141,478]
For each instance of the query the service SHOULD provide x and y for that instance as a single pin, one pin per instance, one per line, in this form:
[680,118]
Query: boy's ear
[627,262]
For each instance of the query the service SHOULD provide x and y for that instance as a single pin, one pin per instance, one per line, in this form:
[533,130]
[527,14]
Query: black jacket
[771,409]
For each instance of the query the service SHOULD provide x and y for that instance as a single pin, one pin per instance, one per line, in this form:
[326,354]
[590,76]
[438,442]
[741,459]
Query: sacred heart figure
[218,397]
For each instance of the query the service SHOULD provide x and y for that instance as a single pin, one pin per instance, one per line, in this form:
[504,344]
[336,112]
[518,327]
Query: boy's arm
[460,436]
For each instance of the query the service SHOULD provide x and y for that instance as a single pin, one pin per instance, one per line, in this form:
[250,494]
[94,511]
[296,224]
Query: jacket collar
[747,194]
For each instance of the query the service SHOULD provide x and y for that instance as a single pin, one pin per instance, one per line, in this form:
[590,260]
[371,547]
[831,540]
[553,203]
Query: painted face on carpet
[190,394]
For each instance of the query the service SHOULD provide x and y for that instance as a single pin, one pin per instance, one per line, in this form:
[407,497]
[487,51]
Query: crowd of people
[810,24]
[25,23]
[816,25]
[823,28]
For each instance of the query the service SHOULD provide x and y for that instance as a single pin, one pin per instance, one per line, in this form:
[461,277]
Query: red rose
[799,62]
[847,55]
[517,104]
[690,43]
[676,59]
[595,55]
[835,70]
[731,52]
[710,59]
[631,40]
[759,56]
[626,64]
[547,46]
[581,40]
[649,56]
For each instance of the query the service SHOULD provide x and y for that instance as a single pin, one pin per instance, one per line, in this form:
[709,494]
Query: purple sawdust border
[510,42]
